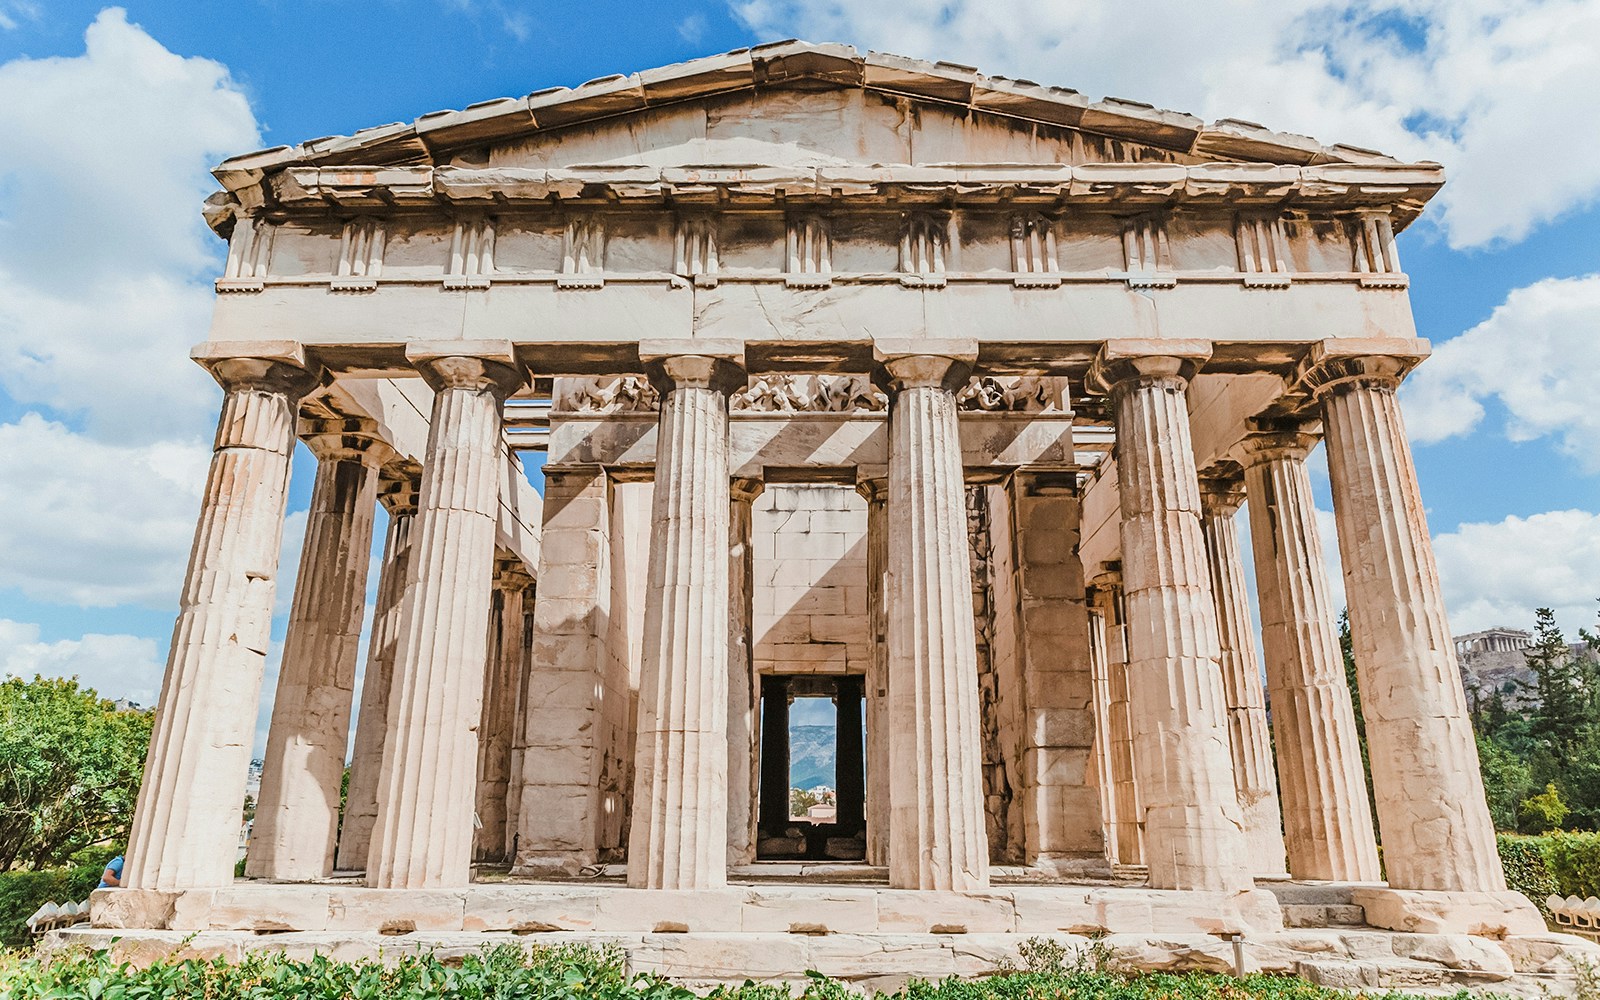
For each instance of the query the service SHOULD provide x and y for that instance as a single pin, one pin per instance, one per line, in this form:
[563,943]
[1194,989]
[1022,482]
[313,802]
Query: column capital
[398,483]
[874,490]
[346,439]
[916,364]
[1045,482]
[468,364]
[1276,440]
[694,364]
[745,489]
[1221,490]
[1337,365]
[511,573]
[261,365]
[1145,361]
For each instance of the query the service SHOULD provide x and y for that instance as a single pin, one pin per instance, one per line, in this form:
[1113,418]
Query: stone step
[1323,915]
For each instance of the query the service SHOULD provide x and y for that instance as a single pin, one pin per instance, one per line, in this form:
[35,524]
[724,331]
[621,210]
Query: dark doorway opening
[796,824]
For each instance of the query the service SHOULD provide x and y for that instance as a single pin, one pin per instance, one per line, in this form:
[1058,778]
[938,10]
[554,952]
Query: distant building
[1494,640]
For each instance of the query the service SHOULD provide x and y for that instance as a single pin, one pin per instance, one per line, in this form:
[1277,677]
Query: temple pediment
[799,105]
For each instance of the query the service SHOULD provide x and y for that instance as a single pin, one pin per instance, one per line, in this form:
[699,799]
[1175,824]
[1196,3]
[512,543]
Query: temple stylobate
[934,396]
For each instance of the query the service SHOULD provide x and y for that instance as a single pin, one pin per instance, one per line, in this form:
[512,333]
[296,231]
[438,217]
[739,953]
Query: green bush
[1543,812]
[1527,871]
[22,892]
[571,973]
[1574,862]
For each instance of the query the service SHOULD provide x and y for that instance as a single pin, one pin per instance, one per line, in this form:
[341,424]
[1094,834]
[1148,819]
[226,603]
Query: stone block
[1171,953]
[1485,914]
[805,910]
[395,911]
[672,911]
[531,909]
[721,957]
[923,912]
[270,908]
[1460,952]
[149,909]
[1057,909]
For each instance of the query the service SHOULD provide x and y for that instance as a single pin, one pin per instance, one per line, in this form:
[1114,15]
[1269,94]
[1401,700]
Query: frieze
[810,394]
[609,394]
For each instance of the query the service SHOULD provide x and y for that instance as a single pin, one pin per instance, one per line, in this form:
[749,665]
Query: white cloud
[103,253]
[94,524]
[103,267]
[1537,354]
[117,666]
[1493,90]
[1498,573]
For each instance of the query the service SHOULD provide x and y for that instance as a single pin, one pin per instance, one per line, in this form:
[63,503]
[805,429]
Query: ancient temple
[932,394]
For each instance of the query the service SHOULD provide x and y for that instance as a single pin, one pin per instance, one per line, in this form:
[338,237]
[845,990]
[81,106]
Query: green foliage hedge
[566,973]
[22,892]
[1561,864]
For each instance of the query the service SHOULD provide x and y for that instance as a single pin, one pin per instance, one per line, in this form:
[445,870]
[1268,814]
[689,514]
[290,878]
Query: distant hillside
[811,753]
[1506,671]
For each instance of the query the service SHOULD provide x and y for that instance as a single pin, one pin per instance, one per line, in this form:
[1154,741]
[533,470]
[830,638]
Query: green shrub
[1574,862]
[1527,871]
[1543,812]
[22,892]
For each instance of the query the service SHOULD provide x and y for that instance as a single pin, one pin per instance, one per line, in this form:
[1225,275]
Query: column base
[1482,914]
[1073,866]
[553,864]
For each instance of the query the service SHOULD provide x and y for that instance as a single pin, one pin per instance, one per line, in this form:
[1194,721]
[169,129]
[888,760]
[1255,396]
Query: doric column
[297,813]
[1059,798]
[743,695]
[680,815]
[1432,813]
[1129,810]
[938,840]
[1100,680]
[1194,837]
[876,493]
[849,758]
[503,683]
[1221,496]
[423,837]
[397,490]
[186,825]
[562,746]
[1327,819]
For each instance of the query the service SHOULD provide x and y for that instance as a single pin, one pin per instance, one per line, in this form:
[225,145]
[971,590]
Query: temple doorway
[815,820]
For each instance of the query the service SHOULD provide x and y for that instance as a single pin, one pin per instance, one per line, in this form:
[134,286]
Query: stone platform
[870,936]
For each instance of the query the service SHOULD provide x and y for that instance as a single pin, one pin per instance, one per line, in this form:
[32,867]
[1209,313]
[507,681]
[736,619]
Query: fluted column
[1100,681]
[1194,836]
[1327,819]
[297,813]
[680,816]
[1119,717]
[876,493]
[186,824]
[743,694]
[1249,739]
[938,840]
[397,491]
[1432,813]
[423,837]
[501,687]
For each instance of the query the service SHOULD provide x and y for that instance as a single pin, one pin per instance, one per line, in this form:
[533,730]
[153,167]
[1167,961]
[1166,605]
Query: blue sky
[113,115]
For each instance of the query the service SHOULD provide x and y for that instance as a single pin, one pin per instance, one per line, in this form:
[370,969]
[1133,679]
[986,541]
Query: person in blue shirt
[111,878]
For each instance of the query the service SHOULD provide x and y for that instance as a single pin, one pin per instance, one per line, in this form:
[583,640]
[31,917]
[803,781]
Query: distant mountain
[811,756]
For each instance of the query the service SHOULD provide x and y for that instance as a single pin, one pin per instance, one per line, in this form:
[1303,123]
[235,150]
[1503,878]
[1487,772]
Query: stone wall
[810,580]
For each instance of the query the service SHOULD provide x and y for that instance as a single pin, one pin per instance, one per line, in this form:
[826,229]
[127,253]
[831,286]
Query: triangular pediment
[795,104]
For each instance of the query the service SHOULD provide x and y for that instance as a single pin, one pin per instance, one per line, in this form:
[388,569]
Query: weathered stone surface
[1486,914]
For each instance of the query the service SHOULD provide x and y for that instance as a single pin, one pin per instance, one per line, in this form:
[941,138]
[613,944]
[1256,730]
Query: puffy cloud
[1492,90]
[103,253]
[1498,573]
[1536,354]
[95,524]
[117,666]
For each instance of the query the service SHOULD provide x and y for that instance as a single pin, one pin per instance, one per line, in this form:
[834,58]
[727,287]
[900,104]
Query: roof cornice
[789,64]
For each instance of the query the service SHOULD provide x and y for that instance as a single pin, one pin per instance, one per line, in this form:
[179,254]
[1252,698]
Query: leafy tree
[1558,680]
[70,766]
[1507,779]
[1543,812]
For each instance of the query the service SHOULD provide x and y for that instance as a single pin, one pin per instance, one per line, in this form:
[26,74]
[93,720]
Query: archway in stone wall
[825,821]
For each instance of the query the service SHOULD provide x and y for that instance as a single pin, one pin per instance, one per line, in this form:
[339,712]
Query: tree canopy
[70,766]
